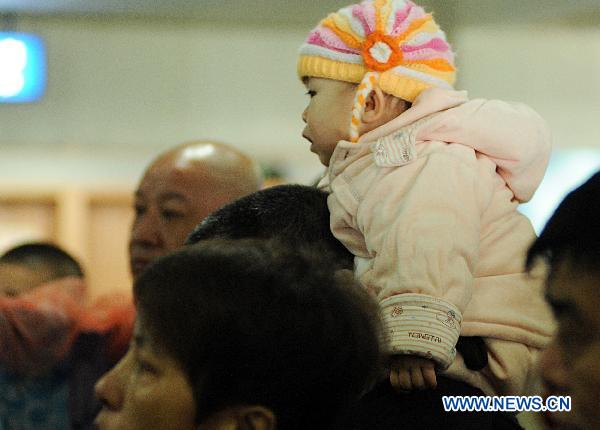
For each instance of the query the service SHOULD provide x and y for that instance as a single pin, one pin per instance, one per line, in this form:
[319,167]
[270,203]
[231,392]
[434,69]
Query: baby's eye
[311,93]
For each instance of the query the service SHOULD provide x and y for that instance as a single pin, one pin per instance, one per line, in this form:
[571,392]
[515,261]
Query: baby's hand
[410,372]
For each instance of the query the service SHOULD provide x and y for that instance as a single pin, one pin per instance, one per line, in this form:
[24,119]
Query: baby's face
[327,115]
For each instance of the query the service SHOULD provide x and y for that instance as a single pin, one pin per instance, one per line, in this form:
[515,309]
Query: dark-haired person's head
[32,264]
[297,215]
[243,334]
[569,246]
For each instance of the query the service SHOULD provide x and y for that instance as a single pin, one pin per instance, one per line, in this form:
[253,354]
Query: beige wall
[121,90]
[556,70]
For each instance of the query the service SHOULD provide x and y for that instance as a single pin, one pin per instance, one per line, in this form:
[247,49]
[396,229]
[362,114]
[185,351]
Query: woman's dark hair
[297,215]
[254,322]
[573,231]
[44,256]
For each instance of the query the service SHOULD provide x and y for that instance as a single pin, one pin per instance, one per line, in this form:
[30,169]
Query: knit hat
[392,44]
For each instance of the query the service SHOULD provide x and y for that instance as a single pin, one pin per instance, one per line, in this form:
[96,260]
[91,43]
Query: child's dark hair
[253,322]
[573,231]
[44,256]
[297,215]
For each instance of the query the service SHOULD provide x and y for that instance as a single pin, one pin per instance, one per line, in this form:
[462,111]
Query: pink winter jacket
[428,205]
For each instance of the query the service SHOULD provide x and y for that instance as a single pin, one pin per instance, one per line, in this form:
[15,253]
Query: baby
[425,185]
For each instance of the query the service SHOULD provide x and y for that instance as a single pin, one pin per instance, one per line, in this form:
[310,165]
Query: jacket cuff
[417,324]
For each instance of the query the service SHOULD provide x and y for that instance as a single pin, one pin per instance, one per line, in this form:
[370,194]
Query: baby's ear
[381,108]
[375,110]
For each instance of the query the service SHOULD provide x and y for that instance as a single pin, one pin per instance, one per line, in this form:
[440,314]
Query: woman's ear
[256,418]
[241,418]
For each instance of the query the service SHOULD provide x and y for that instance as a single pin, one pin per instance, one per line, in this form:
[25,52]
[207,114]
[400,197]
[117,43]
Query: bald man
[179,189]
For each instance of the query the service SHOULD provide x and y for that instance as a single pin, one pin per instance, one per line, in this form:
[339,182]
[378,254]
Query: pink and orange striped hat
[390,43]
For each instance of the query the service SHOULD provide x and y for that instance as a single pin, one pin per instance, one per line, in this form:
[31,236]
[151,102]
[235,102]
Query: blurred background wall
[129,78]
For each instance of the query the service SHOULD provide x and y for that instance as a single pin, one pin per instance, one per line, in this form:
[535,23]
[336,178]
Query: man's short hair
[44,256]
[297,215]
[573,231]
[254,322]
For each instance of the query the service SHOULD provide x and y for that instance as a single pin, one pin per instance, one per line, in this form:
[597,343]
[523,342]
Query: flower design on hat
[380,52]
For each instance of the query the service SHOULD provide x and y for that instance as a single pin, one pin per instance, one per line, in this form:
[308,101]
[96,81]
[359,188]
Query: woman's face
[147,389]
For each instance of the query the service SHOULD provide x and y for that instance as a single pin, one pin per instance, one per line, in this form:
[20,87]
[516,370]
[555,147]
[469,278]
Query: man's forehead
[194,156]
[171,178]
[177,164]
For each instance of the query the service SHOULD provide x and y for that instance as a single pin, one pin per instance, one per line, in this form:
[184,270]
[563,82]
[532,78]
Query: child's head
[365,64]
[32,264]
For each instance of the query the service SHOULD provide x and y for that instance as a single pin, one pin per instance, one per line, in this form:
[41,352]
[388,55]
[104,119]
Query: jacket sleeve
[421,224]
[38,328]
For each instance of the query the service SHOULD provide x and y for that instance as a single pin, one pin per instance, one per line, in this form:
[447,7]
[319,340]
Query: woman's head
[243,332]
